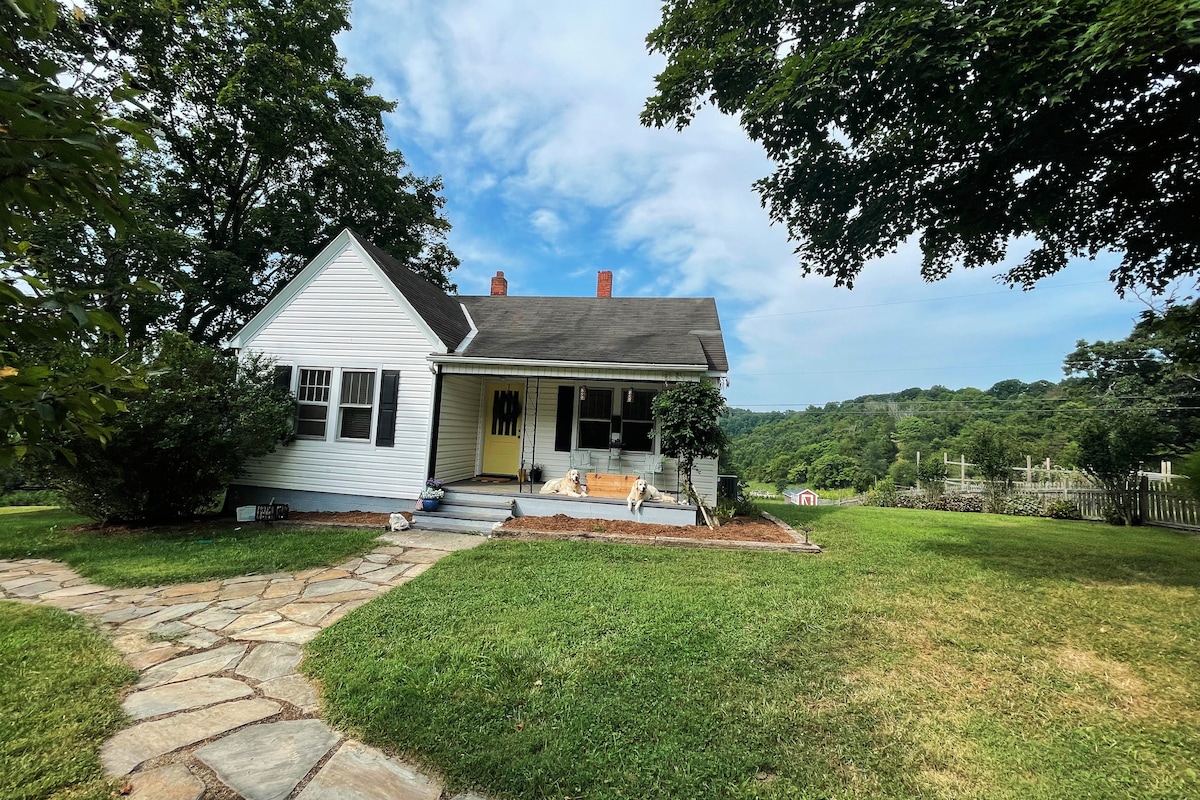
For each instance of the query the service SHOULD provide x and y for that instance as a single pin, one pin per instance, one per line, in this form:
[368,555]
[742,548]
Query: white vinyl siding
[345,318]
[458,427]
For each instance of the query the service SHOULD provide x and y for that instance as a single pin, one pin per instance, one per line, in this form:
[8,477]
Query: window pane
[593,434]
[356,423]
[313,386]
[639,436]
[597,405]
[310,420]
[640,408]
[358,388]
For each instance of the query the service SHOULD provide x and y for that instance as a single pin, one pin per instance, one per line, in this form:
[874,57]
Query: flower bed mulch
[738,530]
[758,533]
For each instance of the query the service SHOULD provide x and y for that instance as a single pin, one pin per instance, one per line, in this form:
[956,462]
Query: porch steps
[465,512]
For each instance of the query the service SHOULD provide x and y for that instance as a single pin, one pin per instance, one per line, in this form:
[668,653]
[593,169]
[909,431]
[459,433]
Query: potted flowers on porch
[432,494]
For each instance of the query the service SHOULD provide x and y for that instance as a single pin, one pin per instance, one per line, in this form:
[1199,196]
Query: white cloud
[548,224]
[529,110]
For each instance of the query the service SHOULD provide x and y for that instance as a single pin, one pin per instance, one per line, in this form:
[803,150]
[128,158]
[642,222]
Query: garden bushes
[1021,505]
[945,502]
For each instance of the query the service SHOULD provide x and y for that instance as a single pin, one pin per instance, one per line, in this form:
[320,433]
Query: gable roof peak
[442,313]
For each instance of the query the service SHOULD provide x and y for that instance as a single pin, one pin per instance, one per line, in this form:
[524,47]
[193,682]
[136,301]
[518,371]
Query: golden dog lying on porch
[569,485]
[643,491]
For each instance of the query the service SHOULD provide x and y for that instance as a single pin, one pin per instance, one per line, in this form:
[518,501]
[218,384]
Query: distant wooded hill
[878,435]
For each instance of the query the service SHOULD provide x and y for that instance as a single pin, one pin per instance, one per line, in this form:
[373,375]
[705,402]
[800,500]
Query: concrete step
[454,509]
[477,500]
[432,522]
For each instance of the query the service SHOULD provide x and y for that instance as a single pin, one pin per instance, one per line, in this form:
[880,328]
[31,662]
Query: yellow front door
[502,429]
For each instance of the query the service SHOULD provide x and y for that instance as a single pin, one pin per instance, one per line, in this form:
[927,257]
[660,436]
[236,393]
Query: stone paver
[170,782]
[295,689]
[358,772]
[218,664]
[285,631]
[433,540]
[147,740]
[265,762]
[193,666]
[307,613]
[316,591]
[270,660]
[183,696]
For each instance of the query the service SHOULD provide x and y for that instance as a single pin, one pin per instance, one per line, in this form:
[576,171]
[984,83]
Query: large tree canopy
[60,152]
[266,149]
[967,124]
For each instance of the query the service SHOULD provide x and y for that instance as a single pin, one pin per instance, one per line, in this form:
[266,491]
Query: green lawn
[923,655]
[177,554]
[59,682]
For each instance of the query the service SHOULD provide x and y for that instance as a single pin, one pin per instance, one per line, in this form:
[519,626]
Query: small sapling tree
[992,450]
[688,416]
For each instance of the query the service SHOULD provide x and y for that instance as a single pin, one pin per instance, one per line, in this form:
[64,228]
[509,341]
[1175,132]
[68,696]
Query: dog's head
[573,477]
[639,486]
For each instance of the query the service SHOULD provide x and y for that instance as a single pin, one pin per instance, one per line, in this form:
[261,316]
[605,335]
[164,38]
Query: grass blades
[177,554]
[925,654]
[59,684]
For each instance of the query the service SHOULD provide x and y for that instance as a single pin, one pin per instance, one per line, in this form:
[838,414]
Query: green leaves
[266,149]
[200,415]
[966,125]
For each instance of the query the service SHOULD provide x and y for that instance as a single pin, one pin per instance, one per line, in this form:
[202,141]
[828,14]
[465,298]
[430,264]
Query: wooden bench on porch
[607,484]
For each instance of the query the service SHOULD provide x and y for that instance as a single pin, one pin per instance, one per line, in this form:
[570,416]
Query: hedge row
[1023,505]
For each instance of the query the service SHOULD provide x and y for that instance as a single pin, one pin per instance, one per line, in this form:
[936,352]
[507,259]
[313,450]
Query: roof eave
[451,358]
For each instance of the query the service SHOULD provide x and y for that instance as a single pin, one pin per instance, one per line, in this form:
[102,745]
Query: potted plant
[615,447]
[535,473]
[432,494]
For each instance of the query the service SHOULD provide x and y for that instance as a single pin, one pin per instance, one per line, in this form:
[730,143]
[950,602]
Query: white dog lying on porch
[570,485]
[641,491]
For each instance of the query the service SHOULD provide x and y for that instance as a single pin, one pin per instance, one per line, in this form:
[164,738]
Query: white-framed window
[608,415]
[312,397]
[595,418]
[356,404]
[637,420]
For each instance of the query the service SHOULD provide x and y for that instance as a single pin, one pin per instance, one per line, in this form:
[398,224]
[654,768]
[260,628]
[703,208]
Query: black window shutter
[283,377]
[565,420]
[389,392]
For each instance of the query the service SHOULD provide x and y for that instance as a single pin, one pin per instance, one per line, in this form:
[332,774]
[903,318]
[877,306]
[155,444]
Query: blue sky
[528,109]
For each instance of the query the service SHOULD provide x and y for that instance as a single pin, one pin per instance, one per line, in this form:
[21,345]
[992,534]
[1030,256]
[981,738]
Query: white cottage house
[397,382]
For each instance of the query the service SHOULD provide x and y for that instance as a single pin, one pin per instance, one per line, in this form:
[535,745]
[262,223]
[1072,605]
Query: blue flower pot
[429,505]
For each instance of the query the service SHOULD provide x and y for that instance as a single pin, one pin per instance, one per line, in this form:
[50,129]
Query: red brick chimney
[499,285]
[604,283]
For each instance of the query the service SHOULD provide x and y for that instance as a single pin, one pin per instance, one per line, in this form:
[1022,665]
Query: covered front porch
[508,433]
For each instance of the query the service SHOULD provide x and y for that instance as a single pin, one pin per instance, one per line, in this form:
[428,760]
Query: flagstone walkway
[219,710]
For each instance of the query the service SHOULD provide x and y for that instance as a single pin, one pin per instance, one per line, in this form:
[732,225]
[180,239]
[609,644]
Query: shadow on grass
[1080,551]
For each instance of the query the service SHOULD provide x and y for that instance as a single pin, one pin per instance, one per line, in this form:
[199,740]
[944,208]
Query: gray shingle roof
[440,311]
[622,330]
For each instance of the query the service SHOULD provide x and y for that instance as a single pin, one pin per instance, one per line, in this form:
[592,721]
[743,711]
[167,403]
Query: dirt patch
[737,530]
[364,519]
[1125,689]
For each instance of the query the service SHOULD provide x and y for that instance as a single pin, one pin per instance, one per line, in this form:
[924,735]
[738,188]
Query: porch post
[437,419]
